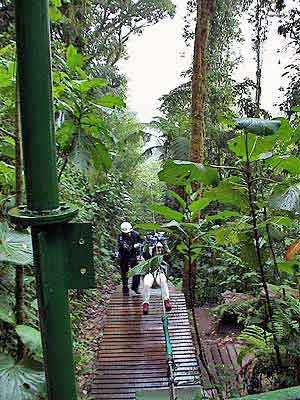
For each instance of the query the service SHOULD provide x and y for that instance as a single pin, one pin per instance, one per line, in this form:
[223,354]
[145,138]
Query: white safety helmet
[126,227]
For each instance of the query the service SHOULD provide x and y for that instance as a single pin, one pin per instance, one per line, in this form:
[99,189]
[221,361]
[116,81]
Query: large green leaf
[182,173]
[74,59]
[258,126]
[289,164]
[199,205]
[15,247]
[87,84]
[7,313]
[90,155]
[111,102]
[145,266]
[55,15]
[285,132]
[286,199]
[20,381]
[167,212]
[81,155]
[290,267]
[148,227]
[31,337]
[257,146]
[280,221]
[96,124]
[174,224]
[230,192]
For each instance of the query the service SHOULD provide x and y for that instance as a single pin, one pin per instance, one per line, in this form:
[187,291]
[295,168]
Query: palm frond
[179,148]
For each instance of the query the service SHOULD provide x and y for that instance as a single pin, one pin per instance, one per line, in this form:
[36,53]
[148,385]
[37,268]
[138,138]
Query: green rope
[169,349]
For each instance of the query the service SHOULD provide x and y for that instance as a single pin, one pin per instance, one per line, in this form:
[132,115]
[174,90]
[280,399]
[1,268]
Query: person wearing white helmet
[129,242]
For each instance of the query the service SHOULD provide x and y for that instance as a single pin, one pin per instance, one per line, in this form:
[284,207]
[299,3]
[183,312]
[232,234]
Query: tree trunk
[205,11]
[189,283]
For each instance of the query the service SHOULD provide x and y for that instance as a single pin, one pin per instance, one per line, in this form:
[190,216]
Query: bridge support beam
[54,241]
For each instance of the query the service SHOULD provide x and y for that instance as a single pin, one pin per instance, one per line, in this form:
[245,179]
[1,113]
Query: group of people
[132,249]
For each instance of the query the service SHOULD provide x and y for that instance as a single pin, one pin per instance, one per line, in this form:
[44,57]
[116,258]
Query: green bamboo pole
[34,66]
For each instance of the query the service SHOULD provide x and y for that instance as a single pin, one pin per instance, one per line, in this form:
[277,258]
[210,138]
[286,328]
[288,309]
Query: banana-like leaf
[15,247]
[258,126]
[20,381]
[145,266]
[182,173]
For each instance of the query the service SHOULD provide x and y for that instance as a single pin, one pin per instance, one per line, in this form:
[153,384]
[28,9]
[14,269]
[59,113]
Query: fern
[238,309]
[256,340]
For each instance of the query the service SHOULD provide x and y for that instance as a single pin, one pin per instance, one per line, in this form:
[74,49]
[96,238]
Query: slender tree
[260,20]
[205,11]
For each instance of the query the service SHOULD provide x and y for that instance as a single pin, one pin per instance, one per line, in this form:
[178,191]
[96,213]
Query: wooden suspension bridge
[132,359]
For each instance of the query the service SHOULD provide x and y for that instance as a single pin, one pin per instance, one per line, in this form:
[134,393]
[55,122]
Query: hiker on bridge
[157,276]
[129,245]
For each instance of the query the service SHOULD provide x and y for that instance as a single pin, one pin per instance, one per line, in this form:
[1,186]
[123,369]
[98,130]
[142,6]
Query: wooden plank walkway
[221,353]
[132,354]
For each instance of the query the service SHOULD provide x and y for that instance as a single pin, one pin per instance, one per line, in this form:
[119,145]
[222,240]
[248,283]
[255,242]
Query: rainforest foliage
[233,220]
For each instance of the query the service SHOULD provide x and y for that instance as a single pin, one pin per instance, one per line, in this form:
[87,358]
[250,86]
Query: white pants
[161,280]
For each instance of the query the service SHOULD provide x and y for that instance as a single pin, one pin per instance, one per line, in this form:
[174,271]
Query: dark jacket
[126,244]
